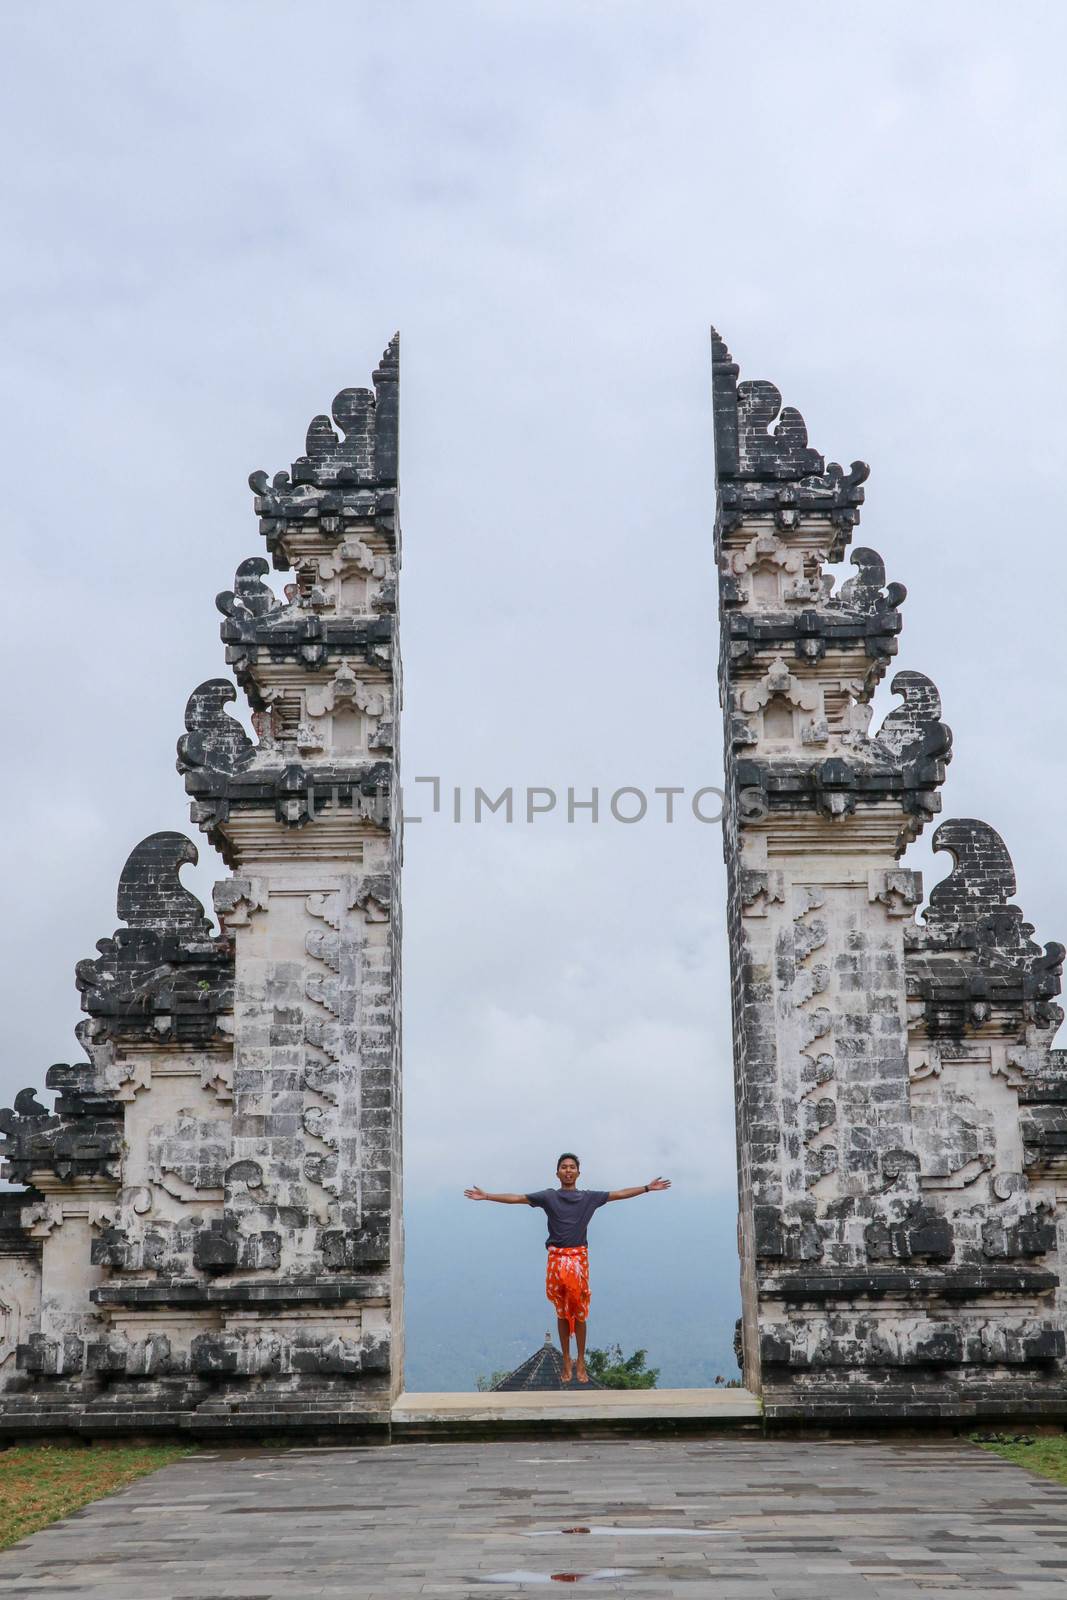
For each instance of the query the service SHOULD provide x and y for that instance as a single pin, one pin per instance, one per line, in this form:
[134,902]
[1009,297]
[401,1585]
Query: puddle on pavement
[632,1533]
[601,1575]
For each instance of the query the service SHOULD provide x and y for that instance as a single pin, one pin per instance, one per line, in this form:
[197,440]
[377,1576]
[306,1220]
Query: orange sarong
[567,1282]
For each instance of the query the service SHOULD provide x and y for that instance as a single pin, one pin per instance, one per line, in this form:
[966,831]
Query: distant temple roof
[543,1370]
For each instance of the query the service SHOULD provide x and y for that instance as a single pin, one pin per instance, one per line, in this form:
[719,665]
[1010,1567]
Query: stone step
[532,1412]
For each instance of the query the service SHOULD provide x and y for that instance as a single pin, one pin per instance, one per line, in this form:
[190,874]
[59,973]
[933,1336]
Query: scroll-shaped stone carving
[973,953]
[166,963]
[250,596]
[868,591]
[213,739]
[781,452]
[365,450]
[914,730]
[151,895]
[773,472]
[331,458]
[27,1109]
[982,880]
[979,888]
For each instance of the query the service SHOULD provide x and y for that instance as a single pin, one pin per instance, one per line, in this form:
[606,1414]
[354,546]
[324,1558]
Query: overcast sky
[214,218]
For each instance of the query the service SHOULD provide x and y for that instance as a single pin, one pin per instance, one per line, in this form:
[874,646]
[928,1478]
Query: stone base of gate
[269,1418]
[536,1414]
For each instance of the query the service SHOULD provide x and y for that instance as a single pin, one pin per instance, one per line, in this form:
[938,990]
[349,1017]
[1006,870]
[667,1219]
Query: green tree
[483,1384]
[616,1371]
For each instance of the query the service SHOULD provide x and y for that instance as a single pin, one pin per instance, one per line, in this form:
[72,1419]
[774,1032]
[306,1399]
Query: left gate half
[208,1234]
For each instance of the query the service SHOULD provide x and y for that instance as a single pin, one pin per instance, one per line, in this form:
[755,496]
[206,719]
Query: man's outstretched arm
[643,1188]
[504,1199]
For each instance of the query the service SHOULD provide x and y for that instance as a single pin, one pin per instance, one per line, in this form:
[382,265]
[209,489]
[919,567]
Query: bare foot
[568,1372]
[583,1376]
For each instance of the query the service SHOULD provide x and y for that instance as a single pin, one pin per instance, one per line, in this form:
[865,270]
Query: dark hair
[568,1155]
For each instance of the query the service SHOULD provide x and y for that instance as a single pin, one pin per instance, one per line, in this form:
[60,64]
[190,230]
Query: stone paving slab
[736,1519]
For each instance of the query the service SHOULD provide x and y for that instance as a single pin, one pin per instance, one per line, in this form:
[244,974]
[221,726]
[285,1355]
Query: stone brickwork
[901,1117]
[210,1235]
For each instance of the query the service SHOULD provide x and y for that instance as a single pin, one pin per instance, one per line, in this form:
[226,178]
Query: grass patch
[1046,1455]
[41,1483]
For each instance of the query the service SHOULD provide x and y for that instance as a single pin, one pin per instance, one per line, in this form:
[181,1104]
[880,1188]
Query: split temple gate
[208,1232]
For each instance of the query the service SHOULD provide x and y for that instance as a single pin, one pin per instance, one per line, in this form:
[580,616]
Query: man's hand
[476,1193]
[659,1183]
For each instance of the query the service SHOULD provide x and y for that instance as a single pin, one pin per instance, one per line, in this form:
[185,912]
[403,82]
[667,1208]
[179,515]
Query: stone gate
[901,1117]
[208,1231]
[210,1236]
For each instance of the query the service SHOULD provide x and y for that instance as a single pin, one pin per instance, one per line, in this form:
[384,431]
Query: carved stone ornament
[237,900]
[778,680]
[345,688]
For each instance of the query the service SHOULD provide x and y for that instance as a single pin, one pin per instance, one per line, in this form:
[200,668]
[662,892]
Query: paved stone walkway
[723,1518]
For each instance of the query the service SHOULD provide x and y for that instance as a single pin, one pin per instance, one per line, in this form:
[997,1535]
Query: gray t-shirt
[568,1212]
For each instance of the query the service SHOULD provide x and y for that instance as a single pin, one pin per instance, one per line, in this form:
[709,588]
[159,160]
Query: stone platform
[731,1518]
[445,1415]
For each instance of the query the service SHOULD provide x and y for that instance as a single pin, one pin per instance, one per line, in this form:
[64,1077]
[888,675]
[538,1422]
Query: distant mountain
[663,1270]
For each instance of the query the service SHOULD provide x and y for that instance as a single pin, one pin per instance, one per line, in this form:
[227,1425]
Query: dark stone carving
[250,596]
[350,473]
[15,1237]
[290,634]
[1043,1123]
[51,1358]
[766,452]
[982,879]
[296,794]
[35,1140]
[974,952]
[221,1247]
[166,963]
[368,421]
[1032,1234]
[914,732]
[808,635]
[216,755]
[214,740]
[781,1238]
[345,1250]
[835,786]
[919,1232]
[27,1108]
[775,472]
[926,1285]
[151,895]
[868,591]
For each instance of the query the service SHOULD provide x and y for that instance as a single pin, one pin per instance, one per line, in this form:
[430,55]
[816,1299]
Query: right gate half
[901,1118]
